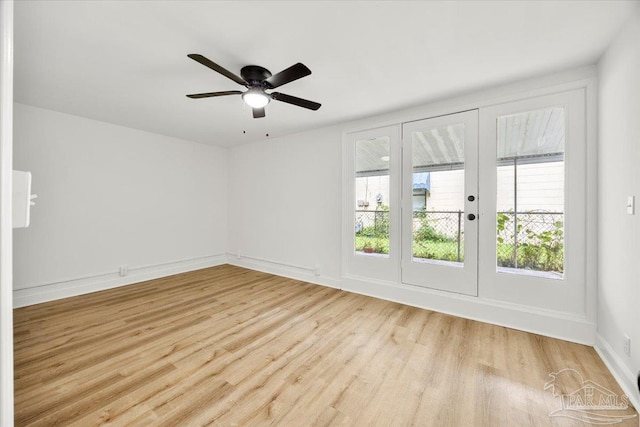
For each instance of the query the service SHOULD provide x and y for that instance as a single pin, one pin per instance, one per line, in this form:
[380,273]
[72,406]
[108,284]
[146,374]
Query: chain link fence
[531,240]
[372,231]
[438,235]
[372,223]
[526,240]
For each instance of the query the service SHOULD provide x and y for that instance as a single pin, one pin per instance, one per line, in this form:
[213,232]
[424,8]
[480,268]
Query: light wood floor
[228,346]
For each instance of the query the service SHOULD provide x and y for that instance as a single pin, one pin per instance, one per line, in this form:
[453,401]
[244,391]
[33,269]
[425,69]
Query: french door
[492,203]
[440,203]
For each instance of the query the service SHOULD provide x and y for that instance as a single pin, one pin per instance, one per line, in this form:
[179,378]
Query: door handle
[471,217]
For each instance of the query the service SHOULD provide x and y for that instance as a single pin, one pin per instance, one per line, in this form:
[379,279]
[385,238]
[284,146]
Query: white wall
[108,196]
[619,177]
[285,205]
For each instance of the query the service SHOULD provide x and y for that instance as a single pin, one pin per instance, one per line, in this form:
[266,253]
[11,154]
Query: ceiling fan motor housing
[255,74]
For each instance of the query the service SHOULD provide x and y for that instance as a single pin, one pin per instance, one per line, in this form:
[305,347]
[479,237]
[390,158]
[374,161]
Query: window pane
[438,194]
[530,199]
[372,197]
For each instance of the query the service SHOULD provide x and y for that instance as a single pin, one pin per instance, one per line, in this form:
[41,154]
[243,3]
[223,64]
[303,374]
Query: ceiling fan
[257,80]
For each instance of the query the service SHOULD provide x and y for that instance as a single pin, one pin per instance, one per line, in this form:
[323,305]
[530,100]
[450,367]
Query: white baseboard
[543,322]
[625,378]
[281,269]
[85,285]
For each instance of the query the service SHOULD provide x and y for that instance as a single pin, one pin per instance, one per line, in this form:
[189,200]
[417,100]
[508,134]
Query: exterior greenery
[539,247]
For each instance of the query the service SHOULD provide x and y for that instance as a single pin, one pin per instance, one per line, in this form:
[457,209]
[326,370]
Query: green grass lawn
[529,257]
[428,249]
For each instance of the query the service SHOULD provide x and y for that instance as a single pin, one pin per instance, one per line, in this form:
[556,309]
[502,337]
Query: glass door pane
[437,157]
[372,213]
[530,193]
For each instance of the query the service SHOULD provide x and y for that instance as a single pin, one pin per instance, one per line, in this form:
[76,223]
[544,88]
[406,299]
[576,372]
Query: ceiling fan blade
[292,73]
[215,67]
[211,94]
[304,103]
[258,112]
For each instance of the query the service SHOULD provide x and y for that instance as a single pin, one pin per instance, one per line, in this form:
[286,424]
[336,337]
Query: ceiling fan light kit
[257,80]
[255,98]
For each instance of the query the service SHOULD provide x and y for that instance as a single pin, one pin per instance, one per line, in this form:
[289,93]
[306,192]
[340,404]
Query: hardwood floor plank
[227,346]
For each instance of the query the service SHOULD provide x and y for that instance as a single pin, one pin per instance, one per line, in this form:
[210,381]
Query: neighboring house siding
[538,187]
[368,187]
[445,194]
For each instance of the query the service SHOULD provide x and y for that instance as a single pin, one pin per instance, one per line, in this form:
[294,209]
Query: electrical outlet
[124,270]
[316,270]
[627,345]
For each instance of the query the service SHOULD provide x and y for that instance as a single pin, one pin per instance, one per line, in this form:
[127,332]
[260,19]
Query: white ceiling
[125,62]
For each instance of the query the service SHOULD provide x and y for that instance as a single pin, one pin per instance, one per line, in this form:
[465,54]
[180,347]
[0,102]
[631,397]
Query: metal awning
[422,181]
